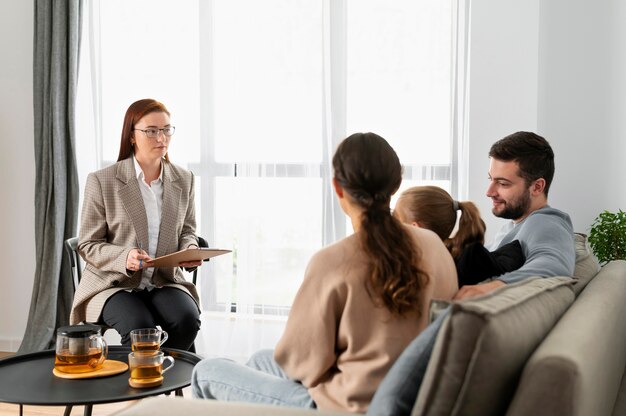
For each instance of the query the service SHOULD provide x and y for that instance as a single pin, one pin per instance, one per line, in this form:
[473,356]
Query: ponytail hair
[471,229]
[434,209]
[369,171]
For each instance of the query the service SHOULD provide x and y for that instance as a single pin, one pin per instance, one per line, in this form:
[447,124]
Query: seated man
[521,170]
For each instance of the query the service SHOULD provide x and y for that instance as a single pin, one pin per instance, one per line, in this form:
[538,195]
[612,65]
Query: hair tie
[455,205]
[380,197]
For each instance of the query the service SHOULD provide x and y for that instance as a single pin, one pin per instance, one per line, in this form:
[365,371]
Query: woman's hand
[137,259]
[190,264]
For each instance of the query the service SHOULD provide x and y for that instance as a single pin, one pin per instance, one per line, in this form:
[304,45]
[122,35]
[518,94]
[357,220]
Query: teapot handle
[105,350]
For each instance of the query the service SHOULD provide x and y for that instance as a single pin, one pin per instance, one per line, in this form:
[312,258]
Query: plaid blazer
[114,221]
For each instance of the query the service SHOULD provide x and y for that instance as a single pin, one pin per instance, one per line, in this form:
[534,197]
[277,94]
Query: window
[261,93]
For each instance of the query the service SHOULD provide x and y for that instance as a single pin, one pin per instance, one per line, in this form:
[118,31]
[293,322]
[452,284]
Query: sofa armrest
[168,406]
[578,368]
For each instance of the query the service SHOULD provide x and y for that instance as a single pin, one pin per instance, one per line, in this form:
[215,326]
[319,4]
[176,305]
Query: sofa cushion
[483,345]
[396,394]
[587,265]
[578,368]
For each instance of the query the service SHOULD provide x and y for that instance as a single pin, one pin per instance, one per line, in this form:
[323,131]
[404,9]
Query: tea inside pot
[79,348]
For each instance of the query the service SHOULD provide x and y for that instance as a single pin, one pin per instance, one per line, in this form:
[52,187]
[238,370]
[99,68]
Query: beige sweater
[336,341]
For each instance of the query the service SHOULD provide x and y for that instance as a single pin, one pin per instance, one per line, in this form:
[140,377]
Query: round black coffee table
[28,379]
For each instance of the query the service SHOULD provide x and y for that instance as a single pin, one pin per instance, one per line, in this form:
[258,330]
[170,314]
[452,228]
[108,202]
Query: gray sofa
[546,346]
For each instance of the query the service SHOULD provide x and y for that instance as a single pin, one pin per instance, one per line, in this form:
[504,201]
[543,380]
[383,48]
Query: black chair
[71,249]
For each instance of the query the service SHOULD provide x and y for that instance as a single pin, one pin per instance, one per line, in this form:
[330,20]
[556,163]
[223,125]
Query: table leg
[21,409]
[68,410]
[88,409]
[179,393]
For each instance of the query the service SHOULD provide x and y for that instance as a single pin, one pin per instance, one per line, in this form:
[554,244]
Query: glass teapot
[80,349]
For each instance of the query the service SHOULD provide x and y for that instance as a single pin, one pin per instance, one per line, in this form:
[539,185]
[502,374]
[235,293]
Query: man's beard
[514,209]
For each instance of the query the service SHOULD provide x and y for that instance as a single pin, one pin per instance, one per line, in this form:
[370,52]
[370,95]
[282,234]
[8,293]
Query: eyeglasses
[153,133]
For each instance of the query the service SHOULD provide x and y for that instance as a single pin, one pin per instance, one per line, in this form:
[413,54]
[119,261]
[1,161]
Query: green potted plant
[607,236]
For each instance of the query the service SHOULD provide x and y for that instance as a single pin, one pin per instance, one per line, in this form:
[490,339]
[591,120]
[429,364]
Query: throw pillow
[397,392]
[484,344]
[587,265]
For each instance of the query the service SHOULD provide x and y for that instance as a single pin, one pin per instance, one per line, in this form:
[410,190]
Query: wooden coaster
[109,368]
[151,382]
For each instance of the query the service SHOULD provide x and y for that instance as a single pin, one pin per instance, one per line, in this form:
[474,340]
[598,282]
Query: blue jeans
[261,380]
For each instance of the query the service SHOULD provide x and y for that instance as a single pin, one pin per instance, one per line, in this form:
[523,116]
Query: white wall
[503,85]
[616,177]
[555,67]
[17,170]
[581,103]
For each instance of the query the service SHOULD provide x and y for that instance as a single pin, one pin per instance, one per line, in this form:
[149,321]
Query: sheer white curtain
[261,93]
[89,93]
[264,164]
[460,97]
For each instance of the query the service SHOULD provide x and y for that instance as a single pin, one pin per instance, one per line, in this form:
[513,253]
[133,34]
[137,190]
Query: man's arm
[548,243]
[472,291]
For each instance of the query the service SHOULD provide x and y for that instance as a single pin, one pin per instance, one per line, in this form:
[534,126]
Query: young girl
[362,300]
[433,208]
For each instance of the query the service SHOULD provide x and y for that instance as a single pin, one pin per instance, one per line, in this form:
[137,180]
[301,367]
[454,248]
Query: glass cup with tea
[146,370]
[79,349]
[147,340]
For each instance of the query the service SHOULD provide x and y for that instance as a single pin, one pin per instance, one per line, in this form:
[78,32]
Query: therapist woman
[139,208]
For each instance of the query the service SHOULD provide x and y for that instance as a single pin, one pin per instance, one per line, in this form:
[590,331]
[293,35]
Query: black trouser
[170,308]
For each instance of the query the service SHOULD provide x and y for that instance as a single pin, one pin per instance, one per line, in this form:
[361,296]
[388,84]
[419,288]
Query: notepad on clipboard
[192,254]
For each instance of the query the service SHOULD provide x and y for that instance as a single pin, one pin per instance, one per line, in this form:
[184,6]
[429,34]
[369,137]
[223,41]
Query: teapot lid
[79,331]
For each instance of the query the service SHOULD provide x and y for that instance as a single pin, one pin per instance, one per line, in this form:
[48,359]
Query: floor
[7,409]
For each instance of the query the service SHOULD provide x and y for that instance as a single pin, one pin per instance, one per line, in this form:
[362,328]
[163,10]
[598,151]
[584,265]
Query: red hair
[136,112]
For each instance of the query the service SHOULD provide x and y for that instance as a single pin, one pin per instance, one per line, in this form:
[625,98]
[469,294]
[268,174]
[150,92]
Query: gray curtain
[55,74]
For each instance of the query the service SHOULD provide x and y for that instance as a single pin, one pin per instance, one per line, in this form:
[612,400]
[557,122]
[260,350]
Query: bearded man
[520,173]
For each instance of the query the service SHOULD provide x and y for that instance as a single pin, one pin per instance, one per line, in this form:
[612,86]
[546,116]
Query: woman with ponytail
[433,208]
[362,301]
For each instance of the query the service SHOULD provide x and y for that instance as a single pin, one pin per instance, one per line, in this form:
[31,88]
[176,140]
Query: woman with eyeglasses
[137,209]
[363,299]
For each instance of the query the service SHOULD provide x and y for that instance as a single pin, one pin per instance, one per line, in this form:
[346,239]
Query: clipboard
[194,254]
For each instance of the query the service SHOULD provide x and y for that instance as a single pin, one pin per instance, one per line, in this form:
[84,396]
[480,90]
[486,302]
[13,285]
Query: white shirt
[152,195]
